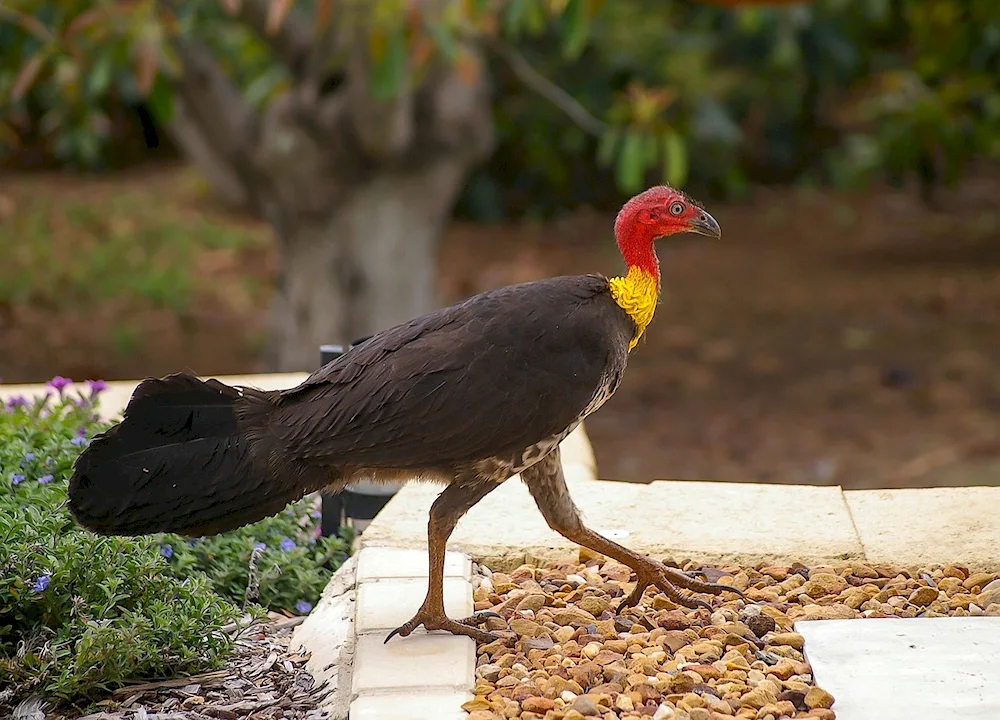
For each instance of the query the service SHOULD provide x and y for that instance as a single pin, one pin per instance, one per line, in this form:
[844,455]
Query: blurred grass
[143,244]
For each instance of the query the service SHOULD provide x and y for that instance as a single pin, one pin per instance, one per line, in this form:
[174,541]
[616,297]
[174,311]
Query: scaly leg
[450,505]
[547,485]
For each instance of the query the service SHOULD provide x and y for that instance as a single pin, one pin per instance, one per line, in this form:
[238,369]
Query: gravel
[569,655]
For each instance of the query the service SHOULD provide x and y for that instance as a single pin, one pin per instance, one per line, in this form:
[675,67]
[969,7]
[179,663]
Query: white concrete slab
[425,706]
[901,669]
[703,521]
[381,563]
[929,526]
[384,605]
[419,662]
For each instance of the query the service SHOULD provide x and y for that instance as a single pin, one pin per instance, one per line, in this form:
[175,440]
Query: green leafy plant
[292,565]
[837,89]
[80,613]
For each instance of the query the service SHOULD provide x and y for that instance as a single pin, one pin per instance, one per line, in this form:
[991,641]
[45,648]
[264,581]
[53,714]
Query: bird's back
[489,376]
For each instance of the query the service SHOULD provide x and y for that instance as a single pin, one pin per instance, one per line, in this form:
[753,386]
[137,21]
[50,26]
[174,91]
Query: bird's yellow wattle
[637,293]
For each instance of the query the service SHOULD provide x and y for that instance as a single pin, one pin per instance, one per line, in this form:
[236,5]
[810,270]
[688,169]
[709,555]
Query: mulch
[263,680]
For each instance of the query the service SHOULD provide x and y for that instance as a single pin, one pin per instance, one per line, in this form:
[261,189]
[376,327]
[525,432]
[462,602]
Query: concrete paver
[928,526]
[901,669]
[428,706]
[378,563]
[704,521]
[386,604]
[422,661]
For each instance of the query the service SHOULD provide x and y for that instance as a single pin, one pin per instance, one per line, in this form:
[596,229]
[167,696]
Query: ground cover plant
[81,614]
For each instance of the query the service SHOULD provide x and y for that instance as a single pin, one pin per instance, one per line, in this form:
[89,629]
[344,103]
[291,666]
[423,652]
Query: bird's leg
[547,485]
[450,505]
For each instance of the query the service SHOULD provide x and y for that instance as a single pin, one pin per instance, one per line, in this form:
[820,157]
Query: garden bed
[262,680]
[575,657]
[84,617]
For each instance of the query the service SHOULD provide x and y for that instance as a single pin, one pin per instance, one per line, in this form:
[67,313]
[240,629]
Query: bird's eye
[676,208]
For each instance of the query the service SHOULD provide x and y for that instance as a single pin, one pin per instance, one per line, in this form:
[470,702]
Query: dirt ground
[827,339]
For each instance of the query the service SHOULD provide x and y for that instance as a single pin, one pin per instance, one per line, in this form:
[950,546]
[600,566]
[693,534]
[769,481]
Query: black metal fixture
[358,503]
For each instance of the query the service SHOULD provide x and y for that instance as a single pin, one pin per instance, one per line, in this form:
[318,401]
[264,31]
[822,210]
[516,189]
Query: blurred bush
[713,95]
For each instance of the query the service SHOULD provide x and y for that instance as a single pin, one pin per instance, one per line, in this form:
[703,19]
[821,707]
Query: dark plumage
[468,396]
[198,457]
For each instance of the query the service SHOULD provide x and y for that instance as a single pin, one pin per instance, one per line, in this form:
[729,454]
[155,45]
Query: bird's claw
[439,621]
[667,580]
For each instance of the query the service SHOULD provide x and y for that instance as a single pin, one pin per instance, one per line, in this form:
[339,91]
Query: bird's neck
[637,291]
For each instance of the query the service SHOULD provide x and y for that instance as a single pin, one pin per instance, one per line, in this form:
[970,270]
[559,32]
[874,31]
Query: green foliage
[66,63]
[80,613]
[690,93]
[292,567]
[831,91]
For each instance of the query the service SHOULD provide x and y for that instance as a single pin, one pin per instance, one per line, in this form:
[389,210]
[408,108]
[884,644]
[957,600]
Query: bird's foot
[432,620]
[650,572]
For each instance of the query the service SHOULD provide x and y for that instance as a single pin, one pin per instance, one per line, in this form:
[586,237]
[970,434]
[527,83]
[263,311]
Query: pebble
[818,698]
[761,624]
[664,712]
[576,657]
[586,706]
[533,602]
[979,579]
[540,705]
[572,616]
[594,605]
[990,594]
[790,639]
[923,596]
[822,584]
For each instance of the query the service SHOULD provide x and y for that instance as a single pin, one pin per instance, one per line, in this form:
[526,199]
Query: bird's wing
[490,376]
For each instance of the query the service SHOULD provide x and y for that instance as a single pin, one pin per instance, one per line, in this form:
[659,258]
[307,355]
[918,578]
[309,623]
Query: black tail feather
[180,461]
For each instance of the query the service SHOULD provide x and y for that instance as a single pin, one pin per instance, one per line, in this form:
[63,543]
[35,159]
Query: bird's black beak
[705,224]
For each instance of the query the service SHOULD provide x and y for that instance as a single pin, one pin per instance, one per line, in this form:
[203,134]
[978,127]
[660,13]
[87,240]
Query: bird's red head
[655,213]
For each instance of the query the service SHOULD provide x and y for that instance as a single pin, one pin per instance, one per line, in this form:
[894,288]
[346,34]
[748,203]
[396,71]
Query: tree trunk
[357,187]
[369,265]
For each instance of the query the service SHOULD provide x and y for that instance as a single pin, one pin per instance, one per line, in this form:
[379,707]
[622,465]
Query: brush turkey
[467,396]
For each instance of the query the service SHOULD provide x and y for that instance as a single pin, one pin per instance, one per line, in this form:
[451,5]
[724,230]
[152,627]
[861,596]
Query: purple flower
[78,441]
[302,607]
[16,402]
[316,514]
[45,479]
[287,544]
[192,543]
[59,383]
[96,386]
[28,457]
[41,584]
[16,479]
[81,431]
[166,551]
